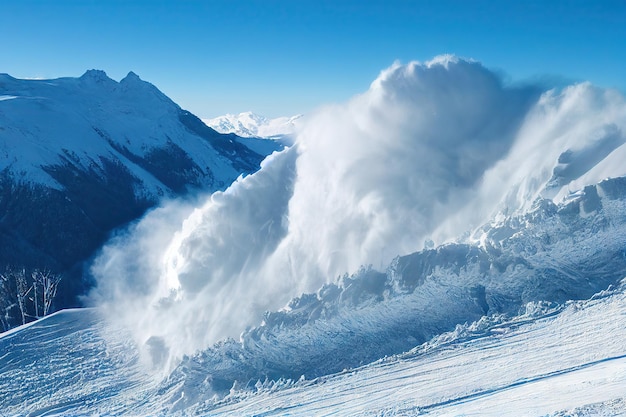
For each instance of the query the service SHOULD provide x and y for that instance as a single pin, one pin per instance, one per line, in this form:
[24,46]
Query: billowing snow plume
[430,151]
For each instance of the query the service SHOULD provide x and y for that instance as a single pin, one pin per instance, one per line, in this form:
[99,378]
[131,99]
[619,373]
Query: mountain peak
[131,77]
[4,75]
[95,75]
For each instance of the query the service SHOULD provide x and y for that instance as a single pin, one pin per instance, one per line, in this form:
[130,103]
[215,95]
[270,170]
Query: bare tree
[23,289]
[34,299]
[7,301]
[30,294]
[47,282]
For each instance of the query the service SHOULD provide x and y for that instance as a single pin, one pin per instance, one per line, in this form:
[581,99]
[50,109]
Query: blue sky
[286,57]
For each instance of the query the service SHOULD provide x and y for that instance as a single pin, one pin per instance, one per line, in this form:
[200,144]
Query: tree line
[26,295]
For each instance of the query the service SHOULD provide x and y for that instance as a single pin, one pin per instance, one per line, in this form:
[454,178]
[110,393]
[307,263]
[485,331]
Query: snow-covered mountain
[441,244]
[251,125]
[80,157]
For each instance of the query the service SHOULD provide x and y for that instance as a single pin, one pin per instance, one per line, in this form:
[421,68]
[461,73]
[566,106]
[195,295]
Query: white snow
[251,125]
[68,364]
[540,367]
[90,117]
[75,362]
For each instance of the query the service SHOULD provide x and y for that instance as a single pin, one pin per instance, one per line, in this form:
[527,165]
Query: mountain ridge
[84,156]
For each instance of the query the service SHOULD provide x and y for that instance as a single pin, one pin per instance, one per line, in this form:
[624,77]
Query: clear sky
[286,57]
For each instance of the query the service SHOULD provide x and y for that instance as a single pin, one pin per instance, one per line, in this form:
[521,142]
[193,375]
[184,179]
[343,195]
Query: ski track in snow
[69,363]
[74,362]
[560,362]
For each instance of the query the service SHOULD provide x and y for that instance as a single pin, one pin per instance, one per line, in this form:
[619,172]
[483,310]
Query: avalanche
[442,244]
[431,152]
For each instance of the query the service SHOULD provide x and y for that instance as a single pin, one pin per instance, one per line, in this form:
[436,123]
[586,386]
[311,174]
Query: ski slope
[553,364]
[564,360]
[69,363]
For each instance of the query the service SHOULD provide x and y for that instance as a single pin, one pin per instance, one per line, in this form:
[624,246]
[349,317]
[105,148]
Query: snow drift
[429,154]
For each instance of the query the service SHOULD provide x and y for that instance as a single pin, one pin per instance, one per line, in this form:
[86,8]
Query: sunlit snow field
[569,361]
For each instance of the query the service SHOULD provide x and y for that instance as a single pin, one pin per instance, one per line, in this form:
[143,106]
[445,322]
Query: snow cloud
[430,151]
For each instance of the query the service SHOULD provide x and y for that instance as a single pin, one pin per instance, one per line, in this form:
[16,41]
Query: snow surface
[529,366]
[567,360]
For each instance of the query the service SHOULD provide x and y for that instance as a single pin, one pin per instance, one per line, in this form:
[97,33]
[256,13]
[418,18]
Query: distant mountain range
[251,125]
[80,157]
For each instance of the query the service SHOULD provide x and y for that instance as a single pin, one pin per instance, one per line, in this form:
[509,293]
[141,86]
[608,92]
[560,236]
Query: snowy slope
[567,360]
[485,329]
[540,363]
[73,361]
[47,123]
[252,125]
